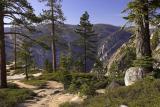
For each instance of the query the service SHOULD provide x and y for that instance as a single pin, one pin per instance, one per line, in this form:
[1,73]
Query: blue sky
[101,11]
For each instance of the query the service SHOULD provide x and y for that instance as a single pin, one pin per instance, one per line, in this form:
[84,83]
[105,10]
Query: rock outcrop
[133,75]
[121,59]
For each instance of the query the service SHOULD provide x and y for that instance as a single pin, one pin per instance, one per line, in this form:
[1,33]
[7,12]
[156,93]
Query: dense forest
[45,62]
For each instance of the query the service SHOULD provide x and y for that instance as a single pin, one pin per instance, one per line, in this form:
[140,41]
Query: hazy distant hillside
[109,44]
[108,41]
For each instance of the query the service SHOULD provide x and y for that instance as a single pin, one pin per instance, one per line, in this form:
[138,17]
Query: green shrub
[66,62]
[146,62]
[157,73]
[87,89]
[83,83]
[64,77]
[101,84]
[48,66]
[144,93]
[124,60]
[72,88]
[73,82]
[55,76]
[11,97]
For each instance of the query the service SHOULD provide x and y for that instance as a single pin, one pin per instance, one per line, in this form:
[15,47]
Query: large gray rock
[133,74]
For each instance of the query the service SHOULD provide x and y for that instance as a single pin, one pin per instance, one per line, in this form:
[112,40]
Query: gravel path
[51,96]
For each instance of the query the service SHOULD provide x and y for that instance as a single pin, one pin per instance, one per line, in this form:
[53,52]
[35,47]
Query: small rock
[76,100]
[123,106]
[37,74]
[101,91]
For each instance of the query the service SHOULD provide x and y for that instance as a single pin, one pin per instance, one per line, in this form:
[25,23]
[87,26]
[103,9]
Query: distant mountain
[108,41]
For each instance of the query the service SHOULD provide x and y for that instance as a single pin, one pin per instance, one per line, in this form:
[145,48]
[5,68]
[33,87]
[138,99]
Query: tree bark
[143,42]
[85,56]
[143,47]
[53,46]
[26,68]
[15,50]
[3,76]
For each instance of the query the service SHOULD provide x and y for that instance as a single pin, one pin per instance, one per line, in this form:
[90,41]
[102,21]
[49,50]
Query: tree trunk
[15,51]
[3,76]
[26,68]
[143,48]
[143,36]
[143,42]
[54,62]
[85,56]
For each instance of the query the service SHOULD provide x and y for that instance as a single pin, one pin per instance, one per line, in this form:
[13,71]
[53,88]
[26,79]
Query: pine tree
[15,51]
[142,13]
[99,69]
[65,62]
[54,15]
[78,65]
[22,13]
[88,38]
[13,28]
[25,56]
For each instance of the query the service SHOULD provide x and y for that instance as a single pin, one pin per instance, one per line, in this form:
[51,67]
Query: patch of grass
[11,96]
[55,76]
[67,104]
[144,93]
[35,82]
[40,81]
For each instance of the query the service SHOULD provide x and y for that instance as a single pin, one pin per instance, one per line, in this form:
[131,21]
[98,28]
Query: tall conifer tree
[142,13]
[88,38]
[22,13]
[53,15]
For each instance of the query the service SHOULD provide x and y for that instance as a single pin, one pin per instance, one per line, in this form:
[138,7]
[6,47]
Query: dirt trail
[52,96]
[22,85]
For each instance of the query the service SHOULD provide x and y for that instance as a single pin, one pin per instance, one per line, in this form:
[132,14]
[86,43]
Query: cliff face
[124,56]
[122,59]
[111,43]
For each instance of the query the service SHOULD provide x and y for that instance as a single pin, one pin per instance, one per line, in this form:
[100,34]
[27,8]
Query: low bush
[101,84]
[85,83]
[87,89]
[156,73]
[144,93]
[12,96]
